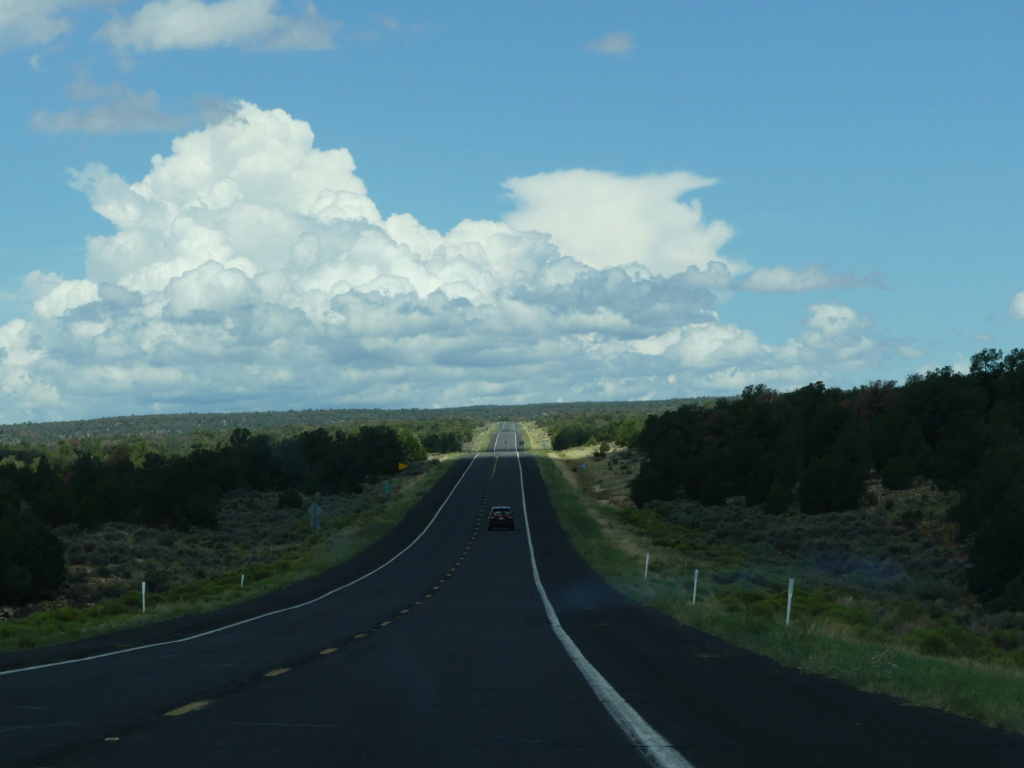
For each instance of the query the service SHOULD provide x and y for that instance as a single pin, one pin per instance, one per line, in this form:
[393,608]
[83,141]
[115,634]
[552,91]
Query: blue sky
[253,205]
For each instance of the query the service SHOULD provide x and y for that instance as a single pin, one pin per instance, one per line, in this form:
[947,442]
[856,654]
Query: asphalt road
[462,647]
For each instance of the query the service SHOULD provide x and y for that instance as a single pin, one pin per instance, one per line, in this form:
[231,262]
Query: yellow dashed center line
[276,672]
[187,708]
[472,538]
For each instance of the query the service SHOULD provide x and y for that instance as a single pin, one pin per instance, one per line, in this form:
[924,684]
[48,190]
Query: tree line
[179,432]
[597,423]
[42,489]
[813,449]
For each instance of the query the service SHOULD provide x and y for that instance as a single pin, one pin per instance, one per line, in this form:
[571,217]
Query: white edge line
[253,618]
[652,745]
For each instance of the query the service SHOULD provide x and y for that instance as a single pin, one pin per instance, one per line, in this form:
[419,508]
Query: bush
[935,589]
[1007,639]
[780,496]
[31,558]
[949,641]
[290,499]
[898,473]
[932,642]
[76,554]
[157,579]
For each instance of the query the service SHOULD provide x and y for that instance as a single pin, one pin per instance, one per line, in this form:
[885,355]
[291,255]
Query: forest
[811,451]
[586,425]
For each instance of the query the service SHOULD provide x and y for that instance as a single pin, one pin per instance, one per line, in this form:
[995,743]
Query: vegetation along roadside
[243,535]
[881,595]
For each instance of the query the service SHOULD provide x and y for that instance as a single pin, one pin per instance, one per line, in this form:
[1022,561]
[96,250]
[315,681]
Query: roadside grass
[929,652]
[271,547]
[481,438]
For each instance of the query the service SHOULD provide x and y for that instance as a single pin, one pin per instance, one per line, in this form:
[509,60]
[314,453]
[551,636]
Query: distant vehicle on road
[501,517]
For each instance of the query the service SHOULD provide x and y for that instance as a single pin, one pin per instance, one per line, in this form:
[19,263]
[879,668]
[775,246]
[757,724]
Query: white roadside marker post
[242,584]
[696,573]
[143,597]
[647,565]
[789,602]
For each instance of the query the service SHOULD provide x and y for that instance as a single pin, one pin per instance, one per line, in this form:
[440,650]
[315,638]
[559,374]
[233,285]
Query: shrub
[290,499]
[932,642]
[76,554]
[111,607]
[67,615]
[1007,639]
[950,641]
[157,579]
[898,473]
[31,558]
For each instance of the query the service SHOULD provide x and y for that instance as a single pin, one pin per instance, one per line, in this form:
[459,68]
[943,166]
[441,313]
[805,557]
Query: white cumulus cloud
[1017,306]
[838,329]
[602,219]
[251,270]
[163,25]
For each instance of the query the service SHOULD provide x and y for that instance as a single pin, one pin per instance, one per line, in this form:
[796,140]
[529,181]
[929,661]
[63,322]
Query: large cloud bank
[251,270]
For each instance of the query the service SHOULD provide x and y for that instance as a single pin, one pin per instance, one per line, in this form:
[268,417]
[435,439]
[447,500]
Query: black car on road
[501,517]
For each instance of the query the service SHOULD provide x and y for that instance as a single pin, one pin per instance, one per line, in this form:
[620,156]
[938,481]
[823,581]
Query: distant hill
[185,424]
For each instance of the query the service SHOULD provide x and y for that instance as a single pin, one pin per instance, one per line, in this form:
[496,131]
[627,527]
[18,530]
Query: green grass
[832,633]
[342,537]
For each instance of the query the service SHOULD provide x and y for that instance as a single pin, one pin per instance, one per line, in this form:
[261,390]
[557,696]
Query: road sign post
[315,511]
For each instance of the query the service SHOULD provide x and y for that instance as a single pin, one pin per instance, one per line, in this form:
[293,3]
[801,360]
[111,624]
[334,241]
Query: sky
[250,205]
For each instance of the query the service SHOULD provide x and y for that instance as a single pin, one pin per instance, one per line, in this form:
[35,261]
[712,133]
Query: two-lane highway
[470,675]
[444,656]
[506,438]
[464,647]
